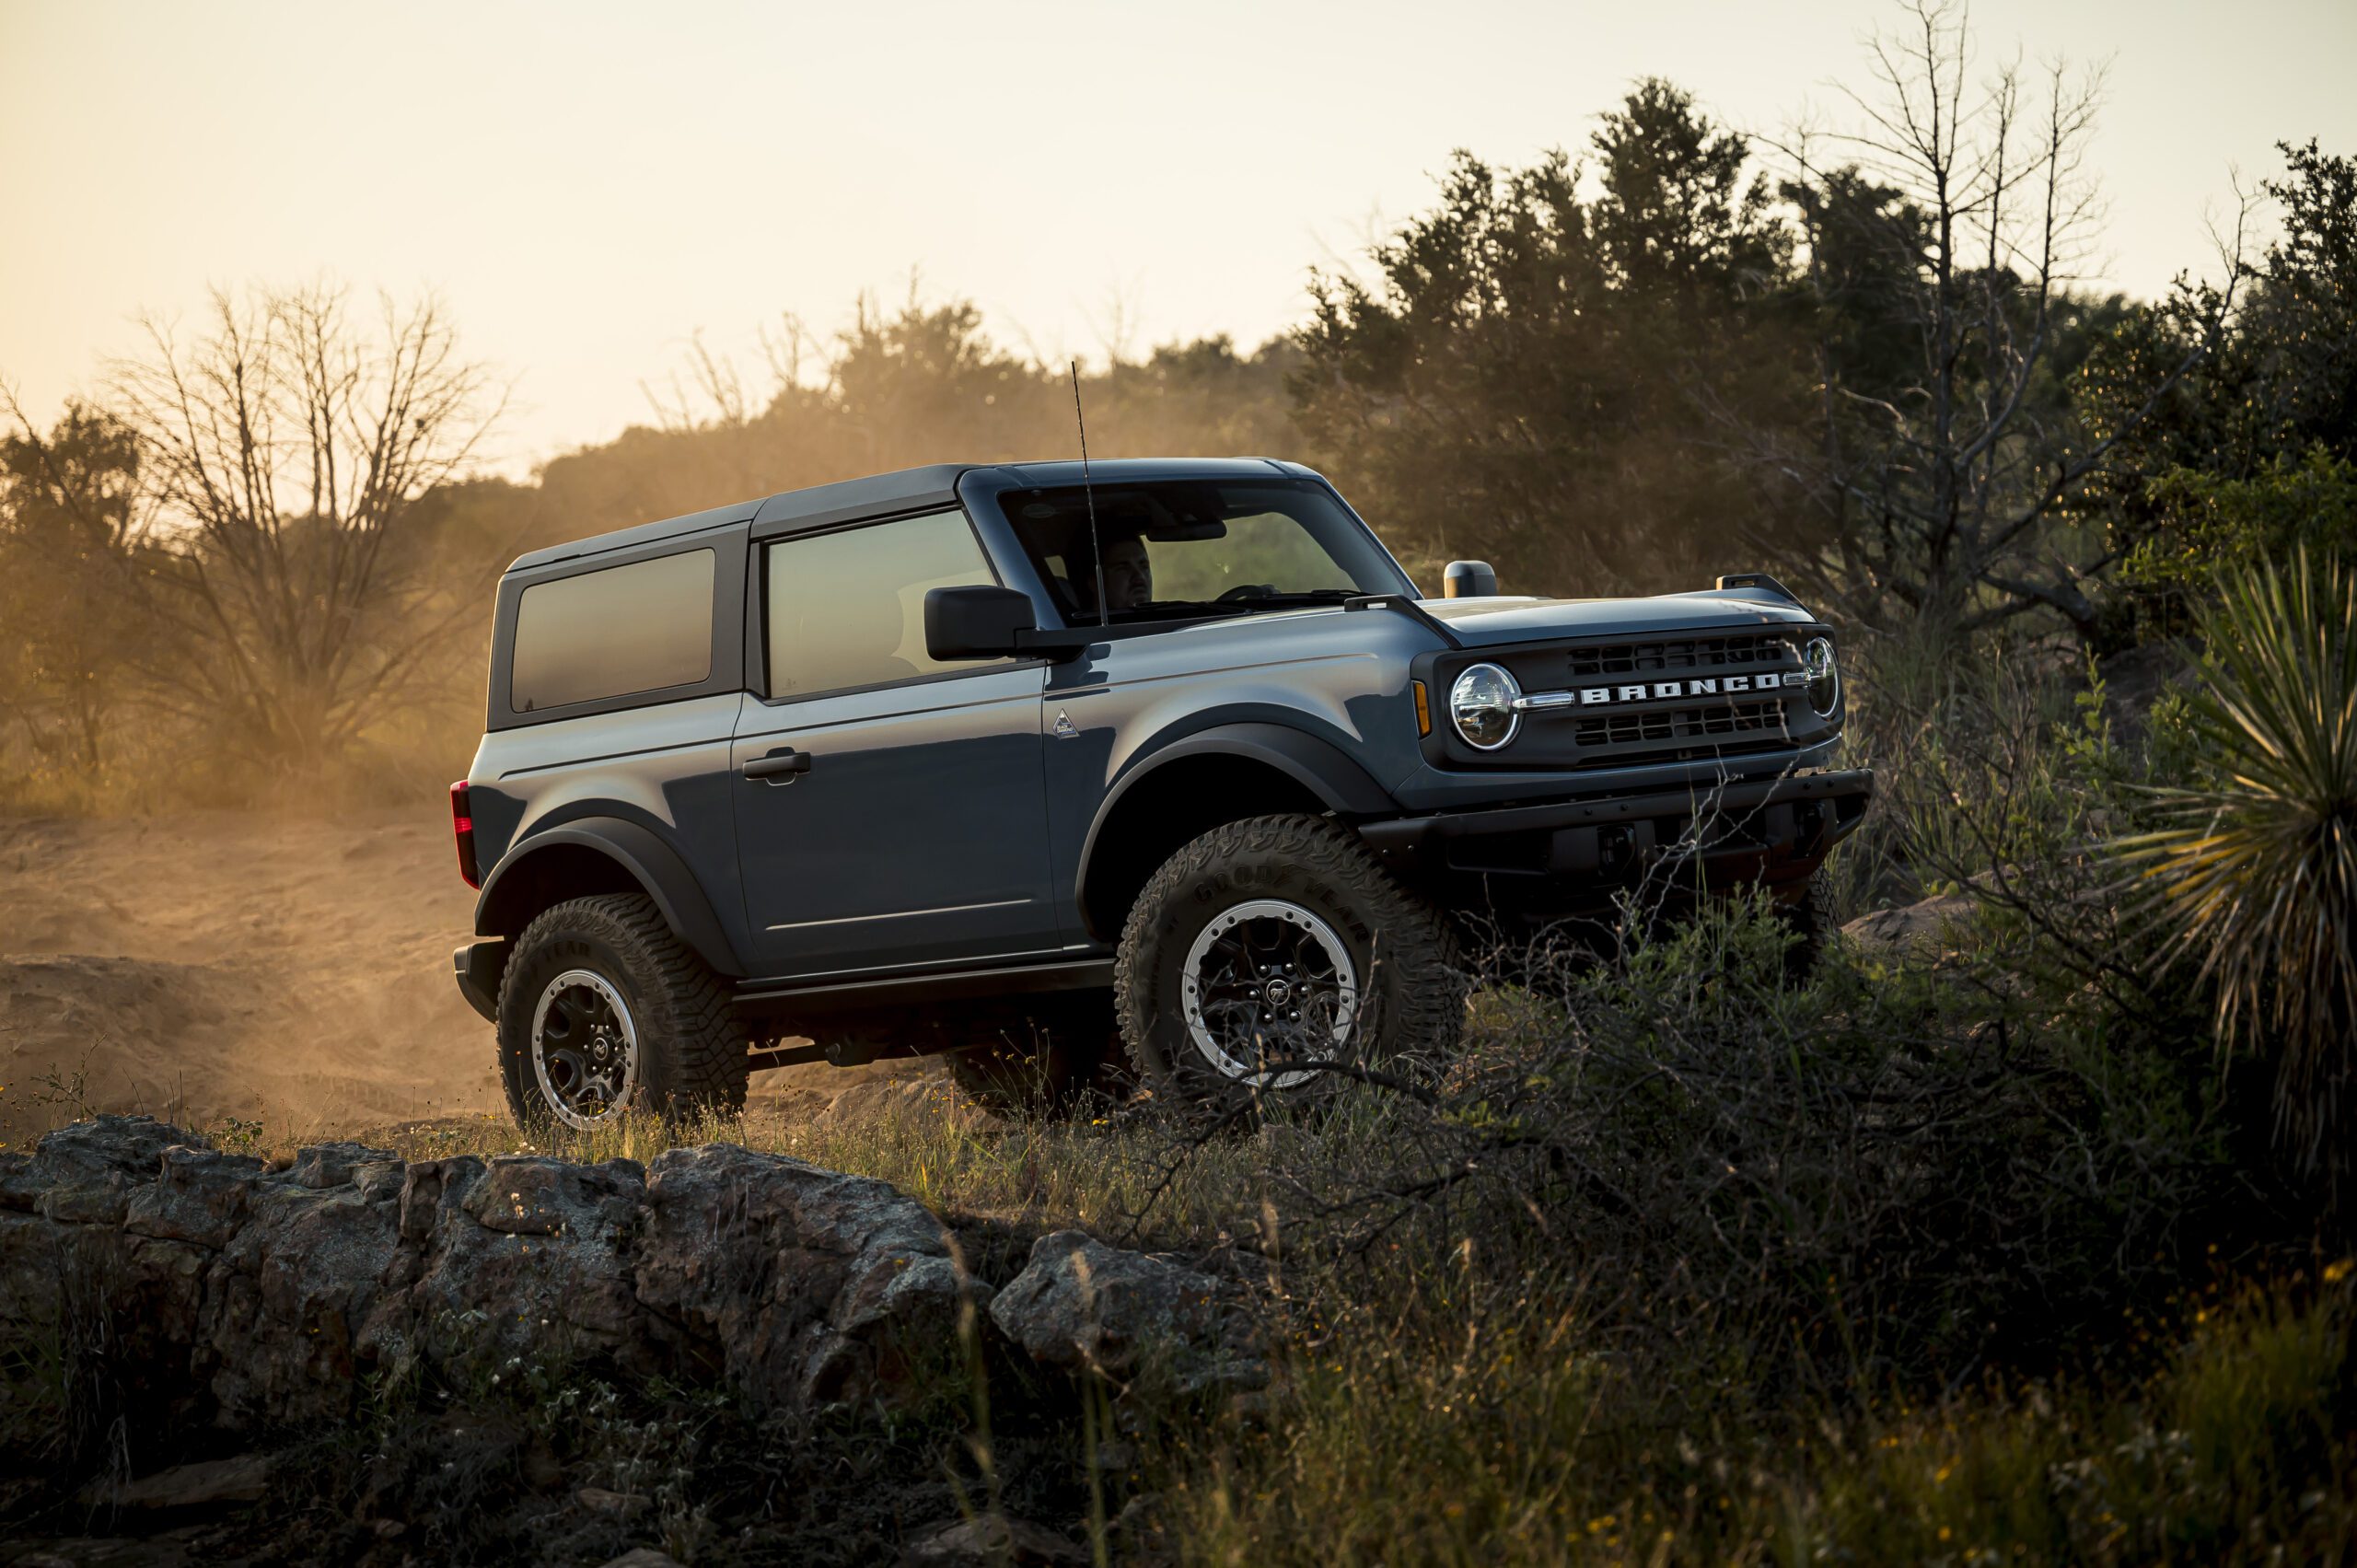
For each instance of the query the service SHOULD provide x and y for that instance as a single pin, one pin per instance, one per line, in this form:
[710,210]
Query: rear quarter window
[614,633]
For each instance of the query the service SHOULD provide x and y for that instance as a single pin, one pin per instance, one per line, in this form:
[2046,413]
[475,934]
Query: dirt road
[231,964]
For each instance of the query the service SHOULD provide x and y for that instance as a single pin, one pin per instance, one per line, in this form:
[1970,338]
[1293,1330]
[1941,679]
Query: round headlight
[1481,706]
[1824,680]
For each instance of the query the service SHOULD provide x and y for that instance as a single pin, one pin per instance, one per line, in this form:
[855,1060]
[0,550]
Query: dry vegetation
[1669,1271]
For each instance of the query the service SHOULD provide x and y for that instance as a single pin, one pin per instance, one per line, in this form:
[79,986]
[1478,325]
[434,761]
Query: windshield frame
[1372,558]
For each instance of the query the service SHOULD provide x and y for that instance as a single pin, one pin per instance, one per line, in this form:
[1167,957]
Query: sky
[586,185]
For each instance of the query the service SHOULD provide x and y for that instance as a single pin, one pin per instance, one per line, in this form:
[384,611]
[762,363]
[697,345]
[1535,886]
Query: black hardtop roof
[935,482]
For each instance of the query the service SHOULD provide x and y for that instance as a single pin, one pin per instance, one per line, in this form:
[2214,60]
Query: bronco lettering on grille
[1707,686]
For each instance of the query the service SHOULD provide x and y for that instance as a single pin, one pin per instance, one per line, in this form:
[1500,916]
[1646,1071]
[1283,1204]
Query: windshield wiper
[1186,609]
[1179,609]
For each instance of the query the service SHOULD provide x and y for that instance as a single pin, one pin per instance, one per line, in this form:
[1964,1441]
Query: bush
[1889,1176]
[2256,879]
[2214,523]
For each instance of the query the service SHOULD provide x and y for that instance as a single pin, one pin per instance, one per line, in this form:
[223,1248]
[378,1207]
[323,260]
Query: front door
[891,811]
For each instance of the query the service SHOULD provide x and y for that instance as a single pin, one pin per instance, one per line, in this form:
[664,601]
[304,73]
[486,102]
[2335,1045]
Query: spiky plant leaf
[2257,875]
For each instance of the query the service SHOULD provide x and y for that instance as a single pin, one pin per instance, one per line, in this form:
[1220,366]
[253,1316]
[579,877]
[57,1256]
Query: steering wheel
[1246,590]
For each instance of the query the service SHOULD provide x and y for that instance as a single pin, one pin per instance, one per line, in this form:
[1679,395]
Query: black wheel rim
[1268,981]
[584,1049]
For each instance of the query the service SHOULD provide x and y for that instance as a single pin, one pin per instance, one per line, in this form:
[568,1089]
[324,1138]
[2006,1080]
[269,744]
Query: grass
[1086,1171]
[1507,1437]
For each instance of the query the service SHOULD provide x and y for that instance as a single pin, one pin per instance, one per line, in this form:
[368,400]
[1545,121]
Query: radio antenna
[1095,548]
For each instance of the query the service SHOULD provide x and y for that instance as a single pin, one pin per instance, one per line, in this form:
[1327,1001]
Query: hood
[1485,623]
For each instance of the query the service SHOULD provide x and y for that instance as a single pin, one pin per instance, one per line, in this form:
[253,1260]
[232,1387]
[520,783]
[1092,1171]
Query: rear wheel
[603,1012]
[1269,950]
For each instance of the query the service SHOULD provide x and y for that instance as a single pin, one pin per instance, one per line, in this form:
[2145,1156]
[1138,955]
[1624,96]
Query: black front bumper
[479,967]
[1775,831]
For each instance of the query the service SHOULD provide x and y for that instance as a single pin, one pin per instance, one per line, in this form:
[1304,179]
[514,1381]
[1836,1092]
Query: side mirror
[1469,579]
[975,623]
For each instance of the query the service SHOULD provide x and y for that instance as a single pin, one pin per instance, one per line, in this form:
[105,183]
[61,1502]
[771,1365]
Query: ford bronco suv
[1167,755]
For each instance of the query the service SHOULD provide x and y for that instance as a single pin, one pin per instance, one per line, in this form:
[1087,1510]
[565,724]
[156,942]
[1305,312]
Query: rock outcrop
[221,1290]
[218,1290]
[1085,1307]
[1921,930]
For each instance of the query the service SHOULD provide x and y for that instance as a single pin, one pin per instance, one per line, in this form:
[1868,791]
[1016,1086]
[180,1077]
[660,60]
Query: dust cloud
[218,965]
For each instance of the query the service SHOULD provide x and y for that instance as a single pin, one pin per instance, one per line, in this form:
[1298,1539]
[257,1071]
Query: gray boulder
[991,1540]
[1083,1306]
[1923,930]
[819,1286]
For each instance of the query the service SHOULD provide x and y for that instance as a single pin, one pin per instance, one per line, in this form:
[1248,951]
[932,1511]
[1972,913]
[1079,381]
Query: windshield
[1198,547]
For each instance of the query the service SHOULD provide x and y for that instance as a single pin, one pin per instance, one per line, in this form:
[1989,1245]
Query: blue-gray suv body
[1167,751]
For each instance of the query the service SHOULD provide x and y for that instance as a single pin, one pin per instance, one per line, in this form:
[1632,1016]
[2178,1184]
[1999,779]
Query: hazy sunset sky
[586,184]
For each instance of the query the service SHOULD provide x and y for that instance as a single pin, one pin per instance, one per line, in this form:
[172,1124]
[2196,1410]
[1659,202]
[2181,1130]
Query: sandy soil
[232,964]
[293,972]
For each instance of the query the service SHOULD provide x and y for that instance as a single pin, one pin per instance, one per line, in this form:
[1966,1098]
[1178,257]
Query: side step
[822,994]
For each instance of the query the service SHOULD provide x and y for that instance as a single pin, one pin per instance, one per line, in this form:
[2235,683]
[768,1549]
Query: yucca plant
[2256,874]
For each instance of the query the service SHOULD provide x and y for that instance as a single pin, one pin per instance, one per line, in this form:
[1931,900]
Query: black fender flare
[653,864]
[1322,768]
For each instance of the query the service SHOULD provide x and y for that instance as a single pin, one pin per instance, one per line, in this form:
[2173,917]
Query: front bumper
[479,967]
[1774,830]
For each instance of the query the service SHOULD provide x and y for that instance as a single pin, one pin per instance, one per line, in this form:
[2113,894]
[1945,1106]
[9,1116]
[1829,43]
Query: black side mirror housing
[975,623]
[1469,579]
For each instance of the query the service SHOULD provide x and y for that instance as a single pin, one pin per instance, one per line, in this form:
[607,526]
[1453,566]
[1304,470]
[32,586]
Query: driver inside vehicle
[1128,576]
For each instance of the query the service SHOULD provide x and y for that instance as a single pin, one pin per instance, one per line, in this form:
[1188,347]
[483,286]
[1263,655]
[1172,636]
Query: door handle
[781,766]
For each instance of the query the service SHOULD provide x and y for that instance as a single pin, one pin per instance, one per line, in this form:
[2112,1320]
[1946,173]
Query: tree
[2300,327]
[1946,451]
[2250,455]
[921,383]
[290,451]
[70,530]
[1522,377]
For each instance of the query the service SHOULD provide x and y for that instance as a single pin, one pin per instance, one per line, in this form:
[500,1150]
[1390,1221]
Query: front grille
[1667,724]
[1587,717]
[1737,652]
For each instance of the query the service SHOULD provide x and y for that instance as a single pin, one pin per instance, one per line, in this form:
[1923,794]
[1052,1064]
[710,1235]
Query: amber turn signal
[1423,709]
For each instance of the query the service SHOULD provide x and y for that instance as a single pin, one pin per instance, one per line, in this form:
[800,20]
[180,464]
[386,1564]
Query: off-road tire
[1810,919]
[1049,1064]
[691,1046]
[1412,986]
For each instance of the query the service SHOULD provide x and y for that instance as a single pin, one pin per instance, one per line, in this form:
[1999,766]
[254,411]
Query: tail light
[462,828]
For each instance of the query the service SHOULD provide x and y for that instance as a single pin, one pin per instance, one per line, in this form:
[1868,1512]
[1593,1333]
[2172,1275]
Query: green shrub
[1898,1171]
[2213,523]
[2256,878]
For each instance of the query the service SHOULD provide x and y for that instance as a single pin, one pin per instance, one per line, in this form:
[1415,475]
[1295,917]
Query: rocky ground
[222,1331]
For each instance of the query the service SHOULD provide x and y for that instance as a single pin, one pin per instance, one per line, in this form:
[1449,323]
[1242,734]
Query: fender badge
[1063,728]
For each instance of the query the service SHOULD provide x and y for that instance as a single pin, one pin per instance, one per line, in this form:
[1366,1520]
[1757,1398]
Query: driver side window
[846,609]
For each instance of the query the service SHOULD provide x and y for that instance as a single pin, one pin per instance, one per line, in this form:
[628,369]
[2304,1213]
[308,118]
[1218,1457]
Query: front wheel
[604,1012]
[1268,952]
